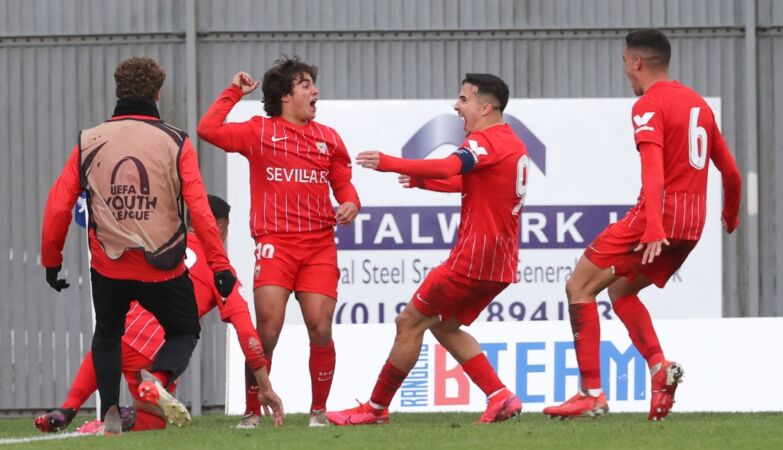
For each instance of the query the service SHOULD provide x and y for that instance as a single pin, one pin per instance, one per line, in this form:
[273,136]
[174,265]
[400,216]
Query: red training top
[291,167]
[132,265]
[676,133]
[494,166]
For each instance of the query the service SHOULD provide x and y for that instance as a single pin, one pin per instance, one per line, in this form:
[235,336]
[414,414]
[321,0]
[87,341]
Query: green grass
[445,430]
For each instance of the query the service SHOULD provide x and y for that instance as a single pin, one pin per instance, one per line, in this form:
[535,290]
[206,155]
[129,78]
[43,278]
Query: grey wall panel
[770,169]
[306,16]
[770,12]
[74,17]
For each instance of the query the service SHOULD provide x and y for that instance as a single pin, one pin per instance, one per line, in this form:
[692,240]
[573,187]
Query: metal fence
[57,57]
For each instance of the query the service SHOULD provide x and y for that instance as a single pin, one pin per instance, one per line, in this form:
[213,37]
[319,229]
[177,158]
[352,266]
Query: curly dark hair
[138,77]
[279,81]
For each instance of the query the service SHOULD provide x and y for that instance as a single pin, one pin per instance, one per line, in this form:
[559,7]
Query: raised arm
[232,137]
[420,168]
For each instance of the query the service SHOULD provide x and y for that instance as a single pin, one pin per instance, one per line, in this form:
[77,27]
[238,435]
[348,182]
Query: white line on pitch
[50,437]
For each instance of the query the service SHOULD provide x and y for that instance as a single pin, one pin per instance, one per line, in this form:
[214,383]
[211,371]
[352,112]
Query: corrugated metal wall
[57,57]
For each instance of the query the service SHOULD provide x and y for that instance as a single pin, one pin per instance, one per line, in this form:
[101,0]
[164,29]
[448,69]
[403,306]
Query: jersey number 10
[697,141]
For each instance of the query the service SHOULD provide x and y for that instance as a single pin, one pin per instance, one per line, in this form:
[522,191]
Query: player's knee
[571,290]
[320,333]
[405,321]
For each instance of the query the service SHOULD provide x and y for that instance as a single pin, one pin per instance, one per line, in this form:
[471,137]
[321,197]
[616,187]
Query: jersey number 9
[523,167]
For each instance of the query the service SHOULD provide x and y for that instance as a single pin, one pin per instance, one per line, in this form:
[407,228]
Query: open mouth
[312,103]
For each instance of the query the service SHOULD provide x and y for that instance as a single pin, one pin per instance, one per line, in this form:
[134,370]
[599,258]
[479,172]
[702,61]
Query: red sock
[483,374]
[164,377]
[587,342]
[147,422]
[322,360]
[84,384]
[640,328]
[252,405]
[389,381]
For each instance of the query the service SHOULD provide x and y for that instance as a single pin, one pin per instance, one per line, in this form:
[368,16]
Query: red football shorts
[300,262]
[447,293]
[614,248]
[132,363]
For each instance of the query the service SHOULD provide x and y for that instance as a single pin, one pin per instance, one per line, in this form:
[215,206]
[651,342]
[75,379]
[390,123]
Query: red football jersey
[143,332]
[291,167]
[493,192]
[678,119]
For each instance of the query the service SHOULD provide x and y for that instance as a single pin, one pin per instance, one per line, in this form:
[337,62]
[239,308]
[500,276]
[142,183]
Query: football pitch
[433,431]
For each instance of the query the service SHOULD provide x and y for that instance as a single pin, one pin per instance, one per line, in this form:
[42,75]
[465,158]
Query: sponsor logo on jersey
[641,122]
[279,138]
[294,175]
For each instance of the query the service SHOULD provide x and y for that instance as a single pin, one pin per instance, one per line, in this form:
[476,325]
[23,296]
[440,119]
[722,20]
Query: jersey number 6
[697,141]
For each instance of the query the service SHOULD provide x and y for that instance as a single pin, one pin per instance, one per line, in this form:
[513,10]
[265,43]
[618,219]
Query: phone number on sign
[383,312]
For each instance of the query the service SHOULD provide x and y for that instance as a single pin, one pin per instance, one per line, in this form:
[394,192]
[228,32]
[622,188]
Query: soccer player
[294,160]
[136,170]
[490,169]
[676,135]
[144,337]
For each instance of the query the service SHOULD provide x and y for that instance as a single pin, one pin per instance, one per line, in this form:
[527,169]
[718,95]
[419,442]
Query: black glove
[224,282]
[51,278]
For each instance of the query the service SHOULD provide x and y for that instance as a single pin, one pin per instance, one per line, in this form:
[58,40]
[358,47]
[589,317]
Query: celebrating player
[136,170]
[676,135]
[293,162]
[490,169]
[144,337]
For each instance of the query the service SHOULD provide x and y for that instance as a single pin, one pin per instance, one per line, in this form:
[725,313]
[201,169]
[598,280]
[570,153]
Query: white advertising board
[537,361]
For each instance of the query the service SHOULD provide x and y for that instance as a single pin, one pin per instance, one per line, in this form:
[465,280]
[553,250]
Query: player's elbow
[204,131]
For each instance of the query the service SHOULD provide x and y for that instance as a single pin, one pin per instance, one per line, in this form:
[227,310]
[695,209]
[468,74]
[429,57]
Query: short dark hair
[655,42]
[138,77]
[218,206]
[279,81]
[489,84]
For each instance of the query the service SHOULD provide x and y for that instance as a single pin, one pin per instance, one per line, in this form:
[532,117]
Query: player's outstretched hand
[346,213]
[224,282]
[58,284]
[652,250]
[408,181]
[244,81]
[729,228]
[272,405]
[369,159]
